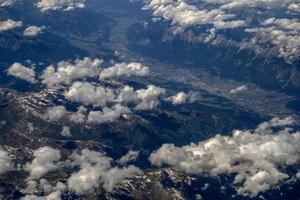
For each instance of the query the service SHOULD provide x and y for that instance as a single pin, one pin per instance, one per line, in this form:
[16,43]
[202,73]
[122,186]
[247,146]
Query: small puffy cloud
[239,89]
[45,160]
[234,4]
[294,7]
[115,175]
[55,113]
[20,71]
[130,156]
[88,94]
[107,114]
[32,31]
[124,69]
[9,24]
[127,94]
[64,5]
[66,131]
[182,98]
[66,72]
[5,162]
[149,97]
[183,15]
[92,167]
[6,2]
[52,196]
[95,170]
[48,188]
[79,116]
[255,158]
[298,175]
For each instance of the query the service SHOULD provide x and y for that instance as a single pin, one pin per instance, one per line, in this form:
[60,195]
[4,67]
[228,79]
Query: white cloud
[20,71]
[32,31]
[233,4]
[221,14]
[43,186]
[9,24]
[79,116]
[5,162]
[183,15]
[96,169]
[88,94]
[52,196]
[66,131]
[182,98]
[48,188]
[256,158]
[239,89]
[112,101]
[64,5]
[124,69]
[55,113]
[92,167]
[107,114]
[115,175]
[283,33]
[66,72]
[130,156]
[6,2]
[149,97]
[127,94]
[45,160]
[294,7]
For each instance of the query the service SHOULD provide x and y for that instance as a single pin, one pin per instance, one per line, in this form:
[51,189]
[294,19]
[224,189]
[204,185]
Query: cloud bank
[255,158]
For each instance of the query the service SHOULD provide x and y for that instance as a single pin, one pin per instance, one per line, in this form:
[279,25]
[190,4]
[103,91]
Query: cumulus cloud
[79,116]
[239,89]
[55,113]
[45,160]
[92,166]
[222,15]
[255,158]
[183,15]
[294,7]
[52,196]
[64,5]
[48,188]
[233,4]
[107,114]
[6,2]
[115,175]
[32,31]
[89,94]
[66,72]
[114,102]
[149,97]
[130,156]
[127,94]
[124,69]
[5,162]
[9,24]
[182,98]
[283,33]
[96,169]
[66,131]
[20,71]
